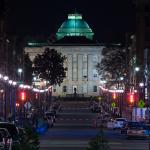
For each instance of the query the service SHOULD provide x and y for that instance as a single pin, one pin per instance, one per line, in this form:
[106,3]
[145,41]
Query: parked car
[147,129]
[50,121]
[119,123]
[2,142]
[12,129]
[7,138]
[128,125]
[22,134]
[136,131]
[50,113]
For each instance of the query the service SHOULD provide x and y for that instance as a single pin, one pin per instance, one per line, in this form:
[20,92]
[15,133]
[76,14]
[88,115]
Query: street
[74,127]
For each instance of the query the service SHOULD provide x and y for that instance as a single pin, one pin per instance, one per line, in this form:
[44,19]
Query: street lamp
[121,78]
[20,72]
[137,69]
[5,100]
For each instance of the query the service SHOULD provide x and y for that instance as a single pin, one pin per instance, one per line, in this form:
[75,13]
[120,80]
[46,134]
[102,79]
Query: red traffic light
[23,96]
[114,95]
[131,98]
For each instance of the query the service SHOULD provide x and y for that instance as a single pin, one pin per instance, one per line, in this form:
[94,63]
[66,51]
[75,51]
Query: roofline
[65,44]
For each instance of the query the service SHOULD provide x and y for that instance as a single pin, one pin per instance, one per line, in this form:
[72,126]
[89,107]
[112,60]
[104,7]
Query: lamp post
[20,73]
[120,95]
[136,70]
[14,101]
[5,100]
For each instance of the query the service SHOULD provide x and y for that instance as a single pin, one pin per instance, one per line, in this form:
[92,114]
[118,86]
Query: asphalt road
[74,128]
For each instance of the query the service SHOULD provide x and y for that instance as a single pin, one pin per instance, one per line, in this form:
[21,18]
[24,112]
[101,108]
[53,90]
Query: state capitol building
[75,42]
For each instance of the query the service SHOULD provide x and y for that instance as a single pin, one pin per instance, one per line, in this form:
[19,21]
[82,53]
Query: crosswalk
[74,128]
[115,145]
[74,119]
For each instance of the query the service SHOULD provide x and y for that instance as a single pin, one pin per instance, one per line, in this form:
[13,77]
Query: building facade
[142,28]
[75,42]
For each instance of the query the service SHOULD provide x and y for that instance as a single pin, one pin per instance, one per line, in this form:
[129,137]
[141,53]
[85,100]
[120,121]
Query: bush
[98,142]
[31,140]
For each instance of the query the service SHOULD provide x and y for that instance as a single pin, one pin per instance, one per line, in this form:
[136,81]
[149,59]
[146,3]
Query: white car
[118,123]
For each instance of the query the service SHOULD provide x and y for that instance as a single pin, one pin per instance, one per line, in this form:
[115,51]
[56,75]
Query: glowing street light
[121,78]
[20,72]
[5,78]
[137,69]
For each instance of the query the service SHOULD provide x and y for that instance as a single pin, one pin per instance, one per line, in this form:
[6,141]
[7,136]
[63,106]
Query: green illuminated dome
[74,26]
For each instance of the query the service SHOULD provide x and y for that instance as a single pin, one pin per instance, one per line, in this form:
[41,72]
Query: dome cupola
[74,26]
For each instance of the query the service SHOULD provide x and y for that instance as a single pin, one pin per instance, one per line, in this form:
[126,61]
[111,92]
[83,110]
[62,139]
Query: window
[95,73]
[64,88]
[84,73]
[94,88]
[85,58]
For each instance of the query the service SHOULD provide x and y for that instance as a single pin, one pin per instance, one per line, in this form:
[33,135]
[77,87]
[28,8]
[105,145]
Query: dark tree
[99,142]
[28,70]
[113,64]
[49,66]
[30,140]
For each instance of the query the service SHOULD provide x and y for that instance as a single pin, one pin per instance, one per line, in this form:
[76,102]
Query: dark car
[127,125]
[12,129]
[7,138]
[50,114]
[2,142]
[22,134]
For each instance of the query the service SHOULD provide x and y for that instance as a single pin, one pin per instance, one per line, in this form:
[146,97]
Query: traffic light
[23,96]
[131,98]
[114,96]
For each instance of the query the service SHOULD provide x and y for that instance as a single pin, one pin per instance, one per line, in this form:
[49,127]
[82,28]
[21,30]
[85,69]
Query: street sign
[27,105]
[141,103]
[113,104]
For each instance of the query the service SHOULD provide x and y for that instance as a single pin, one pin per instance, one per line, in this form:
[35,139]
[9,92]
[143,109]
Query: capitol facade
[75,42]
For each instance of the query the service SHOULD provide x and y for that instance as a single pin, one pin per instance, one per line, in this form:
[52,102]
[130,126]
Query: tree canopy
[50,66]
[28,70]
[113,64]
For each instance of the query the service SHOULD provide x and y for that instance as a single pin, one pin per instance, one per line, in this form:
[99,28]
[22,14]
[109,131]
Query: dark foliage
[49,66]
[31,140]
[113,64]
[28,70]
[99,142]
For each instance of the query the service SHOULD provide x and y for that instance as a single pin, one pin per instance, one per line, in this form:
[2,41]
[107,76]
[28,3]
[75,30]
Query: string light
[15,83]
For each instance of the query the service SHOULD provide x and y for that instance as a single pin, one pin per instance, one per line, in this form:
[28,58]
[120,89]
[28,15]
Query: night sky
[109,19]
